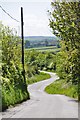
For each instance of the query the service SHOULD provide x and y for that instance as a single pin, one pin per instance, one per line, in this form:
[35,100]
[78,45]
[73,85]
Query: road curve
[43,105]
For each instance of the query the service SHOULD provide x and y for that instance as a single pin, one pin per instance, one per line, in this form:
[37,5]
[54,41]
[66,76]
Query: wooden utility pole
[22,36]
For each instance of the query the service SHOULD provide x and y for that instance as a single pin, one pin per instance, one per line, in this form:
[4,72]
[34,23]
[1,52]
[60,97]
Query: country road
[43,105]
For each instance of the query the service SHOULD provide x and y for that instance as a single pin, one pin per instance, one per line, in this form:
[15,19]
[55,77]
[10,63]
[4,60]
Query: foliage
[27,44]
[61,87]
[65,23]
[40,60]
[14,89]
[38,77]
[41,41]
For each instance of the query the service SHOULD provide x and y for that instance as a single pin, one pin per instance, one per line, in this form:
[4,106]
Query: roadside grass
[38,77]
[13,95]
[61,87]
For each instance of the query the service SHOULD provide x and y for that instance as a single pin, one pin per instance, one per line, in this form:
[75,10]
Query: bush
[14,88]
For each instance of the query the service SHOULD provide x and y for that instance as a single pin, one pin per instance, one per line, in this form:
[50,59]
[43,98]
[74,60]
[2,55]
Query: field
[41,41]
[48,49]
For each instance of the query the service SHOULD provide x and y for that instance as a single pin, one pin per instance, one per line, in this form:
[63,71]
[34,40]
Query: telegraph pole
[22,36]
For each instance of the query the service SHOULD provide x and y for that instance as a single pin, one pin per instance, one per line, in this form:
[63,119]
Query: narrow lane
[43,105]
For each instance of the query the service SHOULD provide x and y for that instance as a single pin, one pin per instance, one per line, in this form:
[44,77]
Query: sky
[36,18]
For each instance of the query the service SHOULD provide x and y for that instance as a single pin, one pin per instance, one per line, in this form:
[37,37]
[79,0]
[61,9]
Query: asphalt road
[43,105]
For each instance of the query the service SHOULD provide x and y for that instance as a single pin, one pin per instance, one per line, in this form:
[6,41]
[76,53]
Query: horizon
[40,36]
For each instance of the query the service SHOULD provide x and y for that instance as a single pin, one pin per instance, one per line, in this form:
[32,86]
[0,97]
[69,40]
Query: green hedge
[14,90]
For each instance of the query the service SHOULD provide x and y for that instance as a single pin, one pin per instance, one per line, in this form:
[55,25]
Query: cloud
[25,0]
[35,25]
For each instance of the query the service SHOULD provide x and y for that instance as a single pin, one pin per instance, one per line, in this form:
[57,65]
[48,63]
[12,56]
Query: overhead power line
[8,14]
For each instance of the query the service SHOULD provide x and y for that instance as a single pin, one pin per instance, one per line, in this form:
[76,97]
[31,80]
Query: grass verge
[61,87]
[38,77]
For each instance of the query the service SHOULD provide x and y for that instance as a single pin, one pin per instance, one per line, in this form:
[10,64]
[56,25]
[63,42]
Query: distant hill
[40,38]
[40,41]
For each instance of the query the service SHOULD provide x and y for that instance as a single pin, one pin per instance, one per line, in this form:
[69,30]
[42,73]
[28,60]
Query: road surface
[43,105]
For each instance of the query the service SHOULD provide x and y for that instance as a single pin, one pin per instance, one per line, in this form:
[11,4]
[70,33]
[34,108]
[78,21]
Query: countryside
[40,73]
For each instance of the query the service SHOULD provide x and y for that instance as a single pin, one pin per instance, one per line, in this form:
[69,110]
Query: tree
[27,44]
[46,43]
[65,23]
[14,89]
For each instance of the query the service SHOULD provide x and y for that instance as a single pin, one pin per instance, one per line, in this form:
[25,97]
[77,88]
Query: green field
[43,49]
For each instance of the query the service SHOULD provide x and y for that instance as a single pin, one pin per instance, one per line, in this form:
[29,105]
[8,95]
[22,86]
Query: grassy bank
[14,90]
[38,77]
[61,87]
[13,94]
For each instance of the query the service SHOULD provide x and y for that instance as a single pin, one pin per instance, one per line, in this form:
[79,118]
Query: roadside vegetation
[65,60]
[42,76]
[66,26]
[40,60]
[14,88]
[63,88]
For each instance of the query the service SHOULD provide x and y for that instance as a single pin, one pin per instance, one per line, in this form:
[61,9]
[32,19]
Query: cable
[9,14]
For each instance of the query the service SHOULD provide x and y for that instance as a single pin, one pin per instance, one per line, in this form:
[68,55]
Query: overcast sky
[35,16]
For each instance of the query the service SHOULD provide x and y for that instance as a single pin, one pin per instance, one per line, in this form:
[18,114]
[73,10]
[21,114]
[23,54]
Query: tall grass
[62,87]
[38,77]
[13,94]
